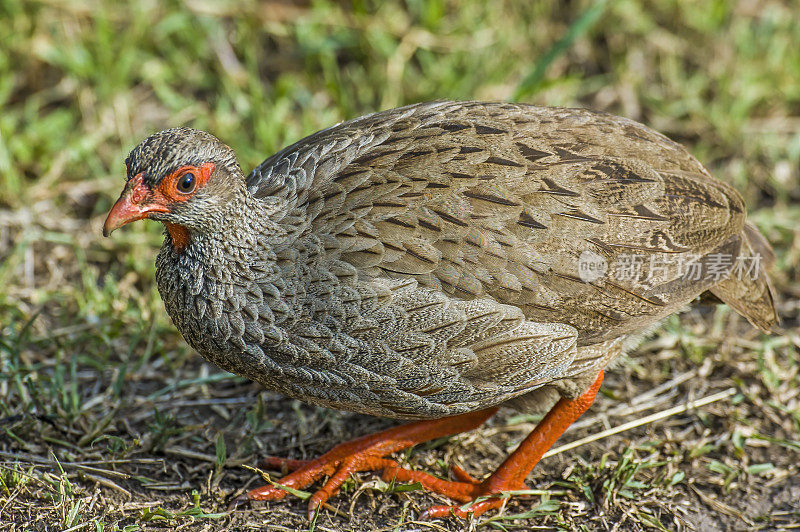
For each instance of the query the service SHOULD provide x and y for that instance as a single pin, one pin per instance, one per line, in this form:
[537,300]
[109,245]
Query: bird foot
[368,454]
[484,496]
[304,472]
[510,476]
[337,471]
[362,454]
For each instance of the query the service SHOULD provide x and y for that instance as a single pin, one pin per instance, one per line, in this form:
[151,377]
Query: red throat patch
[179,235]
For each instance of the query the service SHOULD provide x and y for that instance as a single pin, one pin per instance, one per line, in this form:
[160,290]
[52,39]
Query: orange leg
[362,454]
[285,465]
[366,453]
[511,474]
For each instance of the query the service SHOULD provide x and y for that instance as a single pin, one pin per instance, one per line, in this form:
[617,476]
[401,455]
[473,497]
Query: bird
[434,262]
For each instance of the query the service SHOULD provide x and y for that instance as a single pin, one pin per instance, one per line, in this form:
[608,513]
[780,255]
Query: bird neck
[241,257]
[236,289]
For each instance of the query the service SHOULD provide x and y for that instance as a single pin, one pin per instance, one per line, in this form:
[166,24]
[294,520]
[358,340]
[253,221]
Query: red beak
[129,206]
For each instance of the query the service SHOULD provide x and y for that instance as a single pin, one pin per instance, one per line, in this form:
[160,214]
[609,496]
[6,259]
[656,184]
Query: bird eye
[186,183]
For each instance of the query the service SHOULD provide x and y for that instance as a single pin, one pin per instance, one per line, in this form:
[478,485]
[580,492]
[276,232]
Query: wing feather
[493,207]
[502,200]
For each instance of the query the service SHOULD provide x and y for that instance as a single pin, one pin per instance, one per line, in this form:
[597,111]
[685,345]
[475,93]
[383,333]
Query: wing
[510,202]
[419,353]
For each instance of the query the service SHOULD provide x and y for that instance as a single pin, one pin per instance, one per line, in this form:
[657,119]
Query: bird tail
[748,289]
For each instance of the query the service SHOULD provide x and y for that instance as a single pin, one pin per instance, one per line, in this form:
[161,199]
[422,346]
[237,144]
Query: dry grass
[108,421]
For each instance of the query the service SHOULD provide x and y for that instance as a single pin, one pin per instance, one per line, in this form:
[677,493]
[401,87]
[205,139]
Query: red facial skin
[139,201]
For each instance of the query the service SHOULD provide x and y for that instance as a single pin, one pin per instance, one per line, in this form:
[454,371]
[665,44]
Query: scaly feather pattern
[424,261]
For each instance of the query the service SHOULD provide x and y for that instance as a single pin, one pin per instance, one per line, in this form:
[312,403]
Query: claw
[313,508]
[238,502]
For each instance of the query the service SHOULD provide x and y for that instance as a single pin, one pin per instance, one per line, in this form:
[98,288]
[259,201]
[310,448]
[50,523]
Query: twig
[108,483]
[643,421]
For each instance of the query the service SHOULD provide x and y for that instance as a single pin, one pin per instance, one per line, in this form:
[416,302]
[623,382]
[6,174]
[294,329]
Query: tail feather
[748,290]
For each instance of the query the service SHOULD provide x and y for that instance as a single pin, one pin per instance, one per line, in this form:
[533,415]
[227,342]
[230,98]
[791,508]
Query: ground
[108,421]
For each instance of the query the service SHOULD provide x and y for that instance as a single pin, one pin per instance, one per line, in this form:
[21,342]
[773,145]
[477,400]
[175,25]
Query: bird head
[182,177]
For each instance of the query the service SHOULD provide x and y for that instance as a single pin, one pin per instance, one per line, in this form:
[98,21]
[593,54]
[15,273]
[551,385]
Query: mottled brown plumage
[424,261]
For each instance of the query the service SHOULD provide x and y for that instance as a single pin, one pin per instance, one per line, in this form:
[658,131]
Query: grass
[108,421]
